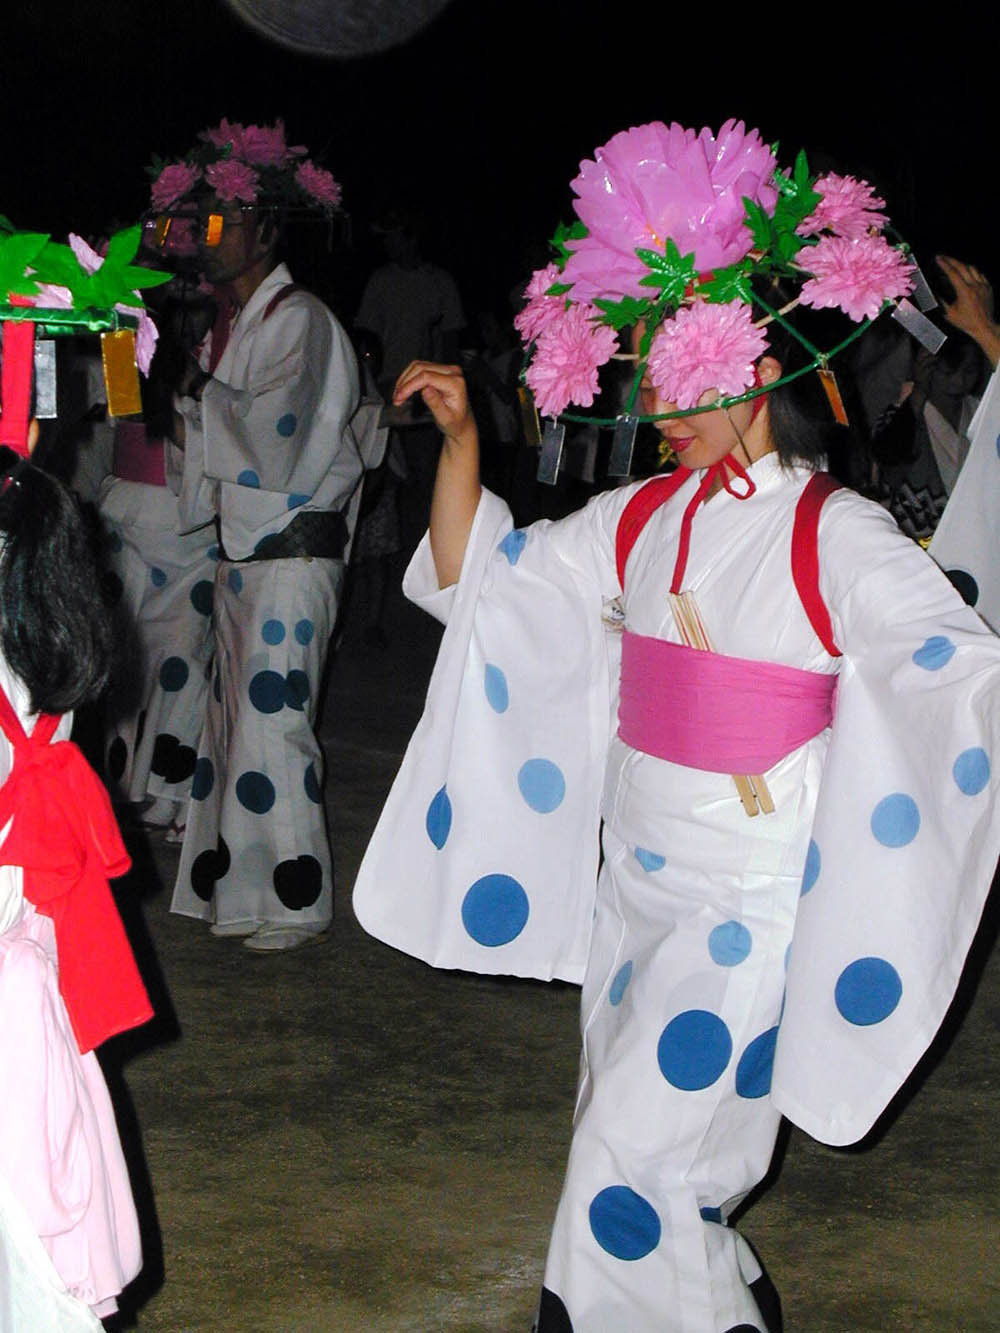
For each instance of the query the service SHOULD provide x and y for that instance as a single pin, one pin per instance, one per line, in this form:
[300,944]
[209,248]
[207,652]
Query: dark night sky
[484,116]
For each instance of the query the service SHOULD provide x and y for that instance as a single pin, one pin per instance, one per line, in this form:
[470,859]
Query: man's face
[239,244]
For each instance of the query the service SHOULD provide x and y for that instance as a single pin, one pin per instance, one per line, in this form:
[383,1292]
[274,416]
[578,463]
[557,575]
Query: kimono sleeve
[906,832]
[485,855]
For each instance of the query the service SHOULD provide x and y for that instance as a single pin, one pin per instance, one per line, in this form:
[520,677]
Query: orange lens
[213,229]
[162,229]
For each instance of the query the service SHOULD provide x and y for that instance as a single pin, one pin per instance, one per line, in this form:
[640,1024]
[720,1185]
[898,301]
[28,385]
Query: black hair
[55,628]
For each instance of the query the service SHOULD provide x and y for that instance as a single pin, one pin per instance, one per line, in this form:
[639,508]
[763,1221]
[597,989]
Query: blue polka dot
[173,674]
[971,771]
[694,1050]
[202,596]
[711,1214]
[620,983]
[495,684]
[542,785]
[729,943]
[267,692]
[868,991]
[285,425]
[304,631]
[212,553]
[295,500]
[248,478]
[272,632]
[259,545]
[623,1223]
[753,1072]
[812,868]
[203,780]
[895,820]
[311,784]
[115,542]
[157,577]
[495,910]
[255,792]
[297,690]
[998,446]
[934,653]
[438,820]
[236,580]
[650,860]
[513,544]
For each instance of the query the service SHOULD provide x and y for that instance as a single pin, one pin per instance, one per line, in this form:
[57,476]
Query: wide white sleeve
[906,833]
[485,855]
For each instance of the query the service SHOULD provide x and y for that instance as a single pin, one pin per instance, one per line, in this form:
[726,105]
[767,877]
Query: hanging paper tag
[829,382]
[552,444]
[529,418]
[622,447]
[121,378]
[919,326]
[45,378]
[922,294]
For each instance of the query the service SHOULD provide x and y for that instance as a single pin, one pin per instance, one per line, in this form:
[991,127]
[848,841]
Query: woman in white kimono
[833,889]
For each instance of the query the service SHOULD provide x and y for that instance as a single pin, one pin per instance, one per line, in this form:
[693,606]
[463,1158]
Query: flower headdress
[674,230]
[59,289]
[239,164]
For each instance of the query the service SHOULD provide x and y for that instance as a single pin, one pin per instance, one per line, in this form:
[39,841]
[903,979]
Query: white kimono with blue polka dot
[733,969]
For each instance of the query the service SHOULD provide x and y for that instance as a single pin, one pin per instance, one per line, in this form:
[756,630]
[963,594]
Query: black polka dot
[553,1317]
[965,585]
[207,867]
[172,761]
[117,758]
[298,883]
[743,1328]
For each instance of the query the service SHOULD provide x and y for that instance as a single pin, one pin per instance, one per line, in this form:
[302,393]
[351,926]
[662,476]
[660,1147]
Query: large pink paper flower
[265,146]
[227,134]
[848,207]
[233,180]
[654,182]
[539,310]
[856,276]
[568,353]
[705,346]
[173,183]
[318,184]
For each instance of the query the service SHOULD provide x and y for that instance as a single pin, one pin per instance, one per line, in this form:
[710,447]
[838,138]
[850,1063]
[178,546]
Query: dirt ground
[341,1138]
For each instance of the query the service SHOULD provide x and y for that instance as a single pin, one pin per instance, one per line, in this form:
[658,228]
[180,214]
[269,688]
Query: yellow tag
[213,229]
[829,381]
[121,377]
[163,229]
[529,418]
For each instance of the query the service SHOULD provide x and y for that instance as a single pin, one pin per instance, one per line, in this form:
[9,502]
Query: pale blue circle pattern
[895,820]
[157,577]
[304,631]
[203,780]
[295,500]
[248,478]
[753,1072]
[285,425]
[542,785]
[624,1224]
[867,991]
[495,910]
[173,674]
[311,784]
[619,984]
[495,684]
[272,632]
[255,792]
[934,653]
[236,581]
[694,1050]
[971,771]
[202,595]
[438,822]
[650,861]
[730,943]
[513,544]
[812,867]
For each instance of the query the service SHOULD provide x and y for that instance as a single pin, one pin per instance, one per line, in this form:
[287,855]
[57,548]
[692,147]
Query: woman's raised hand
[443,390]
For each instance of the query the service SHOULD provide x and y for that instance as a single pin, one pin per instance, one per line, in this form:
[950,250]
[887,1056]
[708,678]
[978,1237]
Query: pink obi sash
[716,713]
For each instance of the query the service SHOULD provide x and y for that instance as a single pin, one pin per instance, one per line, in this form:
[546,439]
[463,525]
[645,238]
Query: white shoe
[228,929]
[272,938]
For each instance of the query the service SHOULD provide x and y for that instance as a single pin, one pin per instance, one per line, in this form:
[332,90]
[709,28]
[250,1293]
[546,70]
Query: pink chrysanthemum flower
[227,134]
[848,207]
[705,347]
[653,182]
[567,357]
[233,181]
[173,183]
[318,183]
[265,146]
[856,276]
[539,310]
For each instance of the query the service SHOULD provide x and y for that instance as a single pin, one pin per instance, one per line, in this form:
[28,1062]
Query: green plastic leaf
[624,313]
[576,232]
[559,289]
[671,271]
[759,224]
[729,284]
[18,252]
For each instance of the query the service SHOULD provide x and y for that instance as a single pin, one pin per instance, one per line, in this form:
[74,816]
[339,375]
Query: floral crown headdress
[678,231]
[250,165]
[54,289]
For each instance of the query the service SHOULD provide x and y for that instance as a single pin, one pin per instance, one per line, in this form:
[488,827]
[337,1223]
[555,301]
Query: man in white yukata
[269,452]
